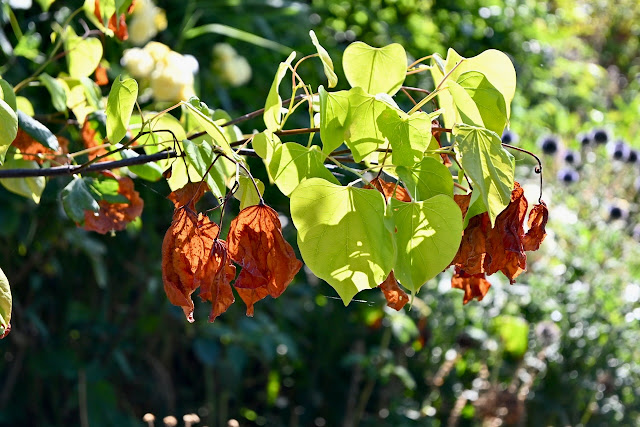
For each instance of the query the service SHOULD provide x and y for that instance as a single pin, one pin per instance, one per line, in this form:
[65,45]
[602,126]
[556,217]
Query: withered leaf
[505,238]
[463,201]
[537,223]
[33,150]
[390,189]
[187,260]
[473,285]
[485,250]
[267,259]
[218,274]
[88,135]
[395,296]
[115,216]
[119,26]
[101,77]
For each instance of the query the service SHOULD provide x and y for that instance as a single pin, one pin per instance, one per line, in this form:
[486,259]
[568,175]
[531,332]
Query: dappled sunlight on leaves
[115,216]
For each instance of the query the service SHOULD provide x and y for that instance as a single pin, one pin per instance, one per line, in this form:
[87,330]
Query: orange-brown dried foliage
[485,250]
[119,26]
[473,285]
[192,256]
[33,150]
[390,189]
[395,296]
[101,77]
[115,216]
[88,135]
[267,259]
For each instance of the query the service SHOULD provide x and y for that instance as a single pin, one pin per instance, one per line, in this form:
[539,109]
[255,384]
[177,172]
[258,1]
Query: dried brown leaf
[33,150]
[218,274]
[473,285]
[390,189]
[101,77]
[267,259]
[88,135]
[537,223]
[115,216]
[395,296]
[119,26]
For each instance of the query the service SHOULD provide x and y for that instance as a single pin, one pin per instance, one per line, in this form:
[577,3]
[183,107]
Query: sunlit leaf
[426,179]
[273,105]
[120,104]
[373,69]
[8,128]
[334,110]
[83,55]
[342,236]
[428,235]
[219,139]
[5,305]
[409,135]
[31,188]
[292,163]
[56,90]
[8,95]
[327,63]
[246,192]
[490,167]
[363,136]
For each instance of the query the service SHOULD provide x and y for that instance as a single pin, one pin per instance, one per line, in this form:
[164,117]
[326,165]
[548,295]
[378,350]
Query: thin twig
[538,168]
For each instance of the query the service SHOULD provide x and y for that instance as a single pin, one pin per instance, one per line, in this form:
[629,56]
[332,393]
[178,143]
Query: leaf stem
[538,169]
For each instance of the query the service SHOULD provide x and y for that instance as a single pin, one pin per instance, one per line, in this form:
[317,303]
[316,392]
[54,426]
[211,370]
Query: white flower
[172,80]
[223,51]
[138,62]
[147,20]
[232,68]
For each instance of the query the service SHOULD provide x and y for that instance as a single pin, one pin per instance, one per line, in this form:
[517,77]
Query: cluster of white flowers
[168,73]
[147,19]
[232,68]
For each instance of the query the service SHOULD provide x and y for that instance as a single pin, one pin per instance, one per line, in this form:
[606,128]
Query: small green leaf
[147,171]
[246,192]
[83,55]
[373,69]
[200,155]
[428,236]
[8,128]
[31,188]
[5,303]
[38,131]
[426,179]
[327,63]
[409,135]
[8,95]
[45,4]
[77,198]
[476,207]
[199,111]
[265,143]
[487,164]
[122,99]
[342,236]
[363,136]
[334,111]
[273,105]
[56,90]
[293,163]
[24,105]
[105,189]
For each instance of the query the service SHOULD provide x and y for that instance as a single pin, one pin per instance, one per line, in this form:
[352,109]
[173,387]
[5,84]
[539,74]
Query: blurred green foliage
[95,338]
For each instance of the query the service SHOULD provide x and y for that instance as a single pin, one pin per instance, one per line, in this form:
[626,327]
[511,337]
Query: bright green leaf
[8,128]
[334,110]
[342,236]
[5,303]
[327,63]
[56,90]
[426,179]
[273,105]
[265,143]
[293,163]
[104,188]
[45,4]
[31,188]
[147,171]
[38,131]
[363,135]
[77,198]
[476,207]
[8,95]
[24,105]
[428,236]
[478,102]
[409,135]
[83,55]
[489,166]
[210,127]
[122,99]
[246,192]
[200,155]
[373,69]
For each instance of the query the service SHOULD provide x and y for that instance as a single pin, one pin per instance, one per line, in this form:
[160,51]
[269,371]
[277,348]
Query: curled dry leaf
[33,150]
[267,259]
[119,26]
[538,218]
[390,189]
[101,77]
[115,216]
[88,135]
[485,250]
[395,296]
[193,257]
[463,201]
[473,285]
